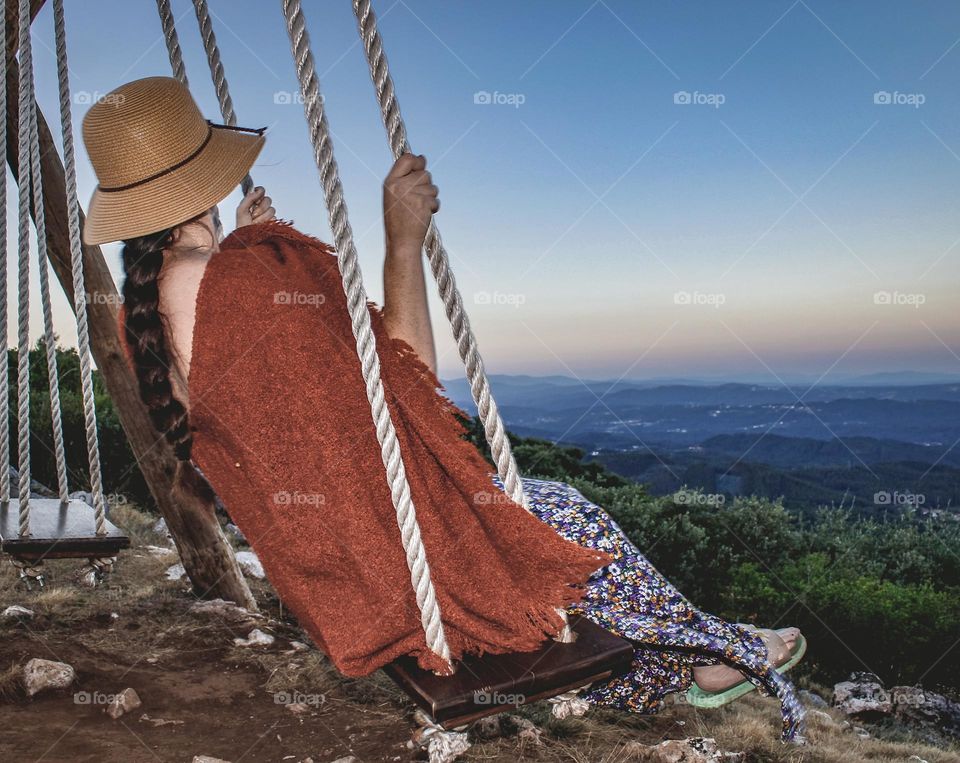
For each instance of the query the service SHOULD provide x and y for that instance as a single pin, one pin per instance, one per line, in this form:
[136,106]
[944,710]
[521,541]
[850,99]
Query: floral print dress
[631,599]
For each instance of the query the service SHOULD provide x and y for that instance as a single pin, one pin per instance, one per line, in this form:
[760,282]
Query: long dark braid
[144,328]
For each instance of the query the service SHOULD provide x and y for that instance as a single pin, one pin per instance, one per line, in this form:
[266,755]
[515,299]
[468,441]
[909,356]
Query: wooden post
[206,555]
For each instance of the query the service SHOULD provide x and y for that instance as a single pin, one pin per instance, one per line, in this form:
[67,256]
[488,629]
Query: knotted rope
[76,263]
[49,338]
[23,267]
[440,265]
[4,372]
[360,319]
[218,75]
[172,41]
[175,54]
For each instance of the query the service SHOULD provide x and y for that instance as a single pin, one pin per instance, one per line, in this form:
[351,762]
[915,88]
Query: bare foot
[717,678]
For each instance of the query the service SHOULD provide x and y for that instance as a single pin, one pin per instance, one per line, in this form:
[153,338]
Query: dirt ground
[196,700]
[203,695]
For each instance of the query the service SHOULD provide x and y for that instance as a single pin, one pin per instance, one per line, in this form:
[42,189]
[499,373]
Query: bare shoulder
[179,284]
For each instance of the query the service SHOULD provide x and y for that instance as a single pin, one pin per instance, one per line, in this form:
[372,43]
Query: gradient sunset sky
[751,189]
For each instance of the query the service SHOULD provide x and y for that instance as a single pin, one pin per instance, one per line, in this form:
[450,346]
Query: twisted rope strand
[49,338]
[172,41]
[76,263]
[23,268]
[487,409]
[440,264]
[218,74]
[360,319]
[4,371]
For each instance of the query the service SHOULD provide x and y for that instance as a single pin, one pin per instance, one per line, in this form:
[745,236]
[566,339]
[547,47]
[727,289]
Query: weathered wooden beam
[204,550]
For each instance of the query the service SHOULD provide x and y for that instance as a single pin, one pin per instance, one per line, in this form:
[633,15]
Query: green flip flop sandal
[700,698]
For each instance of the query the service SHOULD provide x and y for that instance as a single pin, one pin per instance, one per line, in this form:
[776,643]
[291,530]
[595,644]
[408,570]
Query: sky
[749,189]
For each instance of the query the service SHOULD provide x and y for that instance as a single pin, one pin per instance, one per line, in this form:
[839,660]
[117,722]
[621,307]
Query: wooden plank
[57,529]
[496,683]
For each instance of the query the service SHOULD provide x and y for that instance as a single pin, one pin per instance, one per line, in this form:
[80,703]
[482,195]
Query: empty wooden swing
[35,529]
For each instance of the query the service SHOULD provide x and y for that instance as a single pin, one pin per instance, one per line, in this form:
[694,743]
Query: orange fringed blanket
[283,432]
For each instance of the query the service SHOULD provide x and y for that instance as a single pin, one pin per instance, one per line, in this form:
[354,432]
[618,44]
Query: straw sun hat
[158,161]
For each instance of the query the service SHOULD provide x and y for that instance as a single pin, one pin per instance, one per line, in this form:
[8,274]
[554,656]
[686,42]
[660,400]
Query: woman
[243,351]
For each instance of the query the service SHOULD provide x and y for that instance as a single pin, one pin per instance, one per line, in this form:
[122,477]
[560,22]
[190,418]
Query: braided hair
[144,328]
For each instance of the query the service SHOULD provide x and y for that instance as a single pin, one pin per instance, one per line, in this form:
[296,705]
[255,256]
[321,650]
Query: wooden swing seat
[495,683]
[58,530]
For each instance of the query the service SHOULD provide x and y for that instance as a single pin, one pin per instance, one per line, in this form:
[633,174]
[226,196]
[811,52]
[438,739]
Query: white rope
[442,745]
[466,341]
[569,704]
[440,265]
[49,338]
[4,373]
[218,75]
[172,41]
[360,319]
[23,268]
[76,263]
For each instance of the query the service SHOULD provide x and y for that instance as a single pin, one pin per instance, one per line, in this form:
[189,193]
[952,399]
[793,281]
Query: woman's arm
[409,201]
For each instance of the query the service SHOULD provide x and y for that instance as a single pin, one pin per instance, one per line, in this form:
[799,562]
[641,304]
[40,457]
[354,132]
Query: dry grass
[10,685]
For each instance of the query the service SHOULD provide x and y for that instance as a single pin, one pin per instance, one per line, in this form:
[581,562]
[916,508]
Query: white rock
[161,721]
[862,694]
[236,532]
[159,550]
[488,727]
[208,759]
[40,675]
[694,750]
[161,529]
[250,564]
[256,637]
[347,759]
[527,731]
[223,610]
[15,610]
[124,702]
[176,572]
[299,646]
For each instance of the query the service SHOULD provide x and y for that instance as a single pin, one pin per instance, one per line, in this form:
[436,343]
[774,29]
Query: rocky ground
[140,670]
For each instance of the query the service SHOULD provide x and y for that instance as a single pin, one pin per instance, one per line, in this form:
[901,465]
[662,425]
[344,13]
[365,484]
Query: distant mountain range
[811,446]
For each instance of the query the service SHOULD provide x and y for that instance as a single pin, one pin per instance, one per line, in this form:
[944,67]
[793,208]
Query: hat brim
[177,196]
